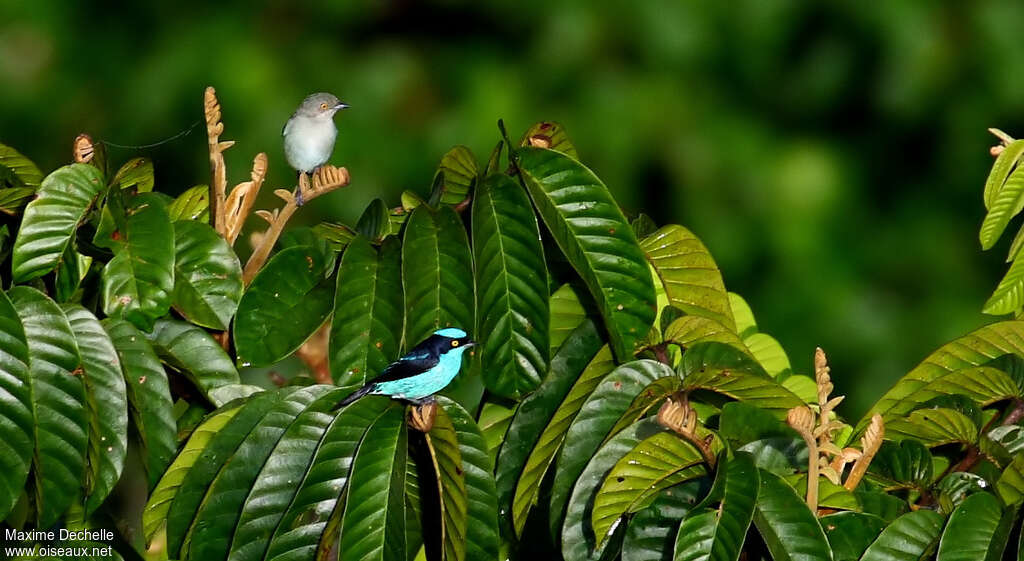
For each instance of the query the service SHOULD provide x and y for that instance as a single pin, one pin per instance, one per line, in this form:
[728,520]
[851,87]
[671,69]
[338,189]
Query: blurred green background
[830,154]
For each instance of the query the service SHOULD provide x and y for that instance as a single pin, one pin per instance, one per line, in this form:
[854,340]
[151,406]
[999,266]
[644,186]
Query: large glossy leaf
[689,273]
[651,534]
[443,444]
[58,402]
[591,231]
[512,291]
[372,526]
[717,534]
[658,462]
[977,530]
[16,407]
[908,538]
[723,369]
[366,332]
[195,353]
[106,404]
[51,219]
[594,423]
[531,433]
[207,275]
[982,384]
[193,204]
[578,541]
[437,275]
[789,529]
[148,394]
[318,500]
[23,168]
[1007,203]
[154,517]
[973,349]
[458,170]
[934,427]
[283,306]
[849,533]
[139,281]
[477,467]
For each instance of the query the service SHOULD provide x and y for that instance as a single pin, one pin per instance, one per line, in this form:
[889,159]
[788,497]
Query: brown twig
[802,420]
[326,179]
[239,202]
[218,170]
[1015,414]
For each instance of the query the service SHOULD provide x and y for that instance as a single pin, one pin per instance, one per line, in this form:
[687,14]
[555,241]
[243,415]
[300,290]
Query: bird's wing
[288,123]
[408,366]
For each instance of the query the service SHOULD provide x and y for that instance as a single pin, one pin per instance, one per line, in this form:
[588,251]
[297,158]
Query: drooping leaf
[374,223]
[195,353]
[207,275]
[1009,294]
[287,301]
[595,237]
[58,402]
[1011,483]
[1006,203]
[136,172]
[139,281]
[593,424]
[551,135]
[51,219]
[16,406]
[372,526]
[193,204]
[1001,168]
[447,463]
[741,423]
[709,533]
[656,463]
[689,273]
[23,168]
[149,395]
[850,533]
[458,170]
[512,292]
[106,402]
[724,369]
[567,313]
[70,272]
[366,332]
[494,420]
[651,535]
[977,530]
[789,529]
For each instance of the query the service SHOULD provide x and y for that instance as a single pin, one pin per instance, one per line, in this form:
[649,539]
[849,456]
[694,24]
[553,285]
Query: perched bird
[310,133]
[423,371]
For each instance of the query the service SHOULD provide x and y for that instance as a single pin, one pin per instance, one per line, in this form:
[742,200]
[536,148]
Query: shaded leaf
[709,533]
[375,222]
[977,530]
[207,276]
[23,168]
[458,170]
[790,530]
[447,463]
[567,313]
[850,533]
[136,172]
[193,204]
[195,353]
[17,417]
[651,535]
[724,369]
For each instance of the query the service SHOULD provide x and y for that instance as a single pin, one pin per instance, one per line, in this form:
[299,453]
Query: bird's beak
[469,344]
[341,106]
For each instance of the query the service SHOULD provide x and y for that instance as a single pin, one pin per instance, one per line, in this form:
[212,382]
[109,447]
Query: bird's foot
[422,414]
[299,200]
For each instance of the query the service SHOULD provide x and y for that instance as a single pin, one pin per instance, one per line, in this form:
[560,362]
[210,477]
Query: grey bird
[310,133]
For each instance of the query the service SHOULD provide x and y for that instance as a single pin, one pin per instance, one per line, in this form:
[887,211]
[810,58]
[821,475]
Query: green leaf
[977,530]
[656,463]
[718,534]
[319,499]
[447,470]
[551,135]
[904,464]
[22,167]
[207,276]
[477,466]
[724,369]
[593,425]
[12,200]
[70,272]
[154,517]
[192,351]
[58,402]
[51,219]
[1009,294]
[512,292]
[284,305]
[742,423]
[337,236]
[567,313]
[830,495]
[139,280]
[274,488]
[653,395]
[790,530]
[1011,483]
[689,273]
[908,538]
[769,353]
[106,402]
[540,421]
[974,349]
[1006,204]
[595,237]
[193,204]
[17,409]
[578,541]
[458,170]
[741,312]
[149,395]
[651,534]
[494,420]
[136,172]
[934,427]
[1001,168]
[690,330]
[437,276]
[850,533]
[372,526]
[375,222]
[366,332]
[885,506]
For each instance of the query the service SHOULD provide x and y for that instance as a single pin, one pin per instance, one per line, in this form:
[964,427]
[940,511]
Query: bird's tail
[355,395]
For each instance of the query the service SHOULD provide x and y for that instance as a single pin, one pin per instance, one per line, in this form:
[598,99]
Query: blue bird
[422,372]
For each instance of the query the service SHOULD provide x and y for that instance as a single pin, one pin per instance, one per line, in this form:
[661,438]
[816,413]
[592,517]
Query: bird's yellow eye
[455,343]
[323,106]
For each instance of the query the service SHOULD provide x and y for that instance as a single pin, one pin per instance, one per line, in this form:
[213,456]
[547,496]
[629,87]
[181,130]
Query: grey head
[320,105]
